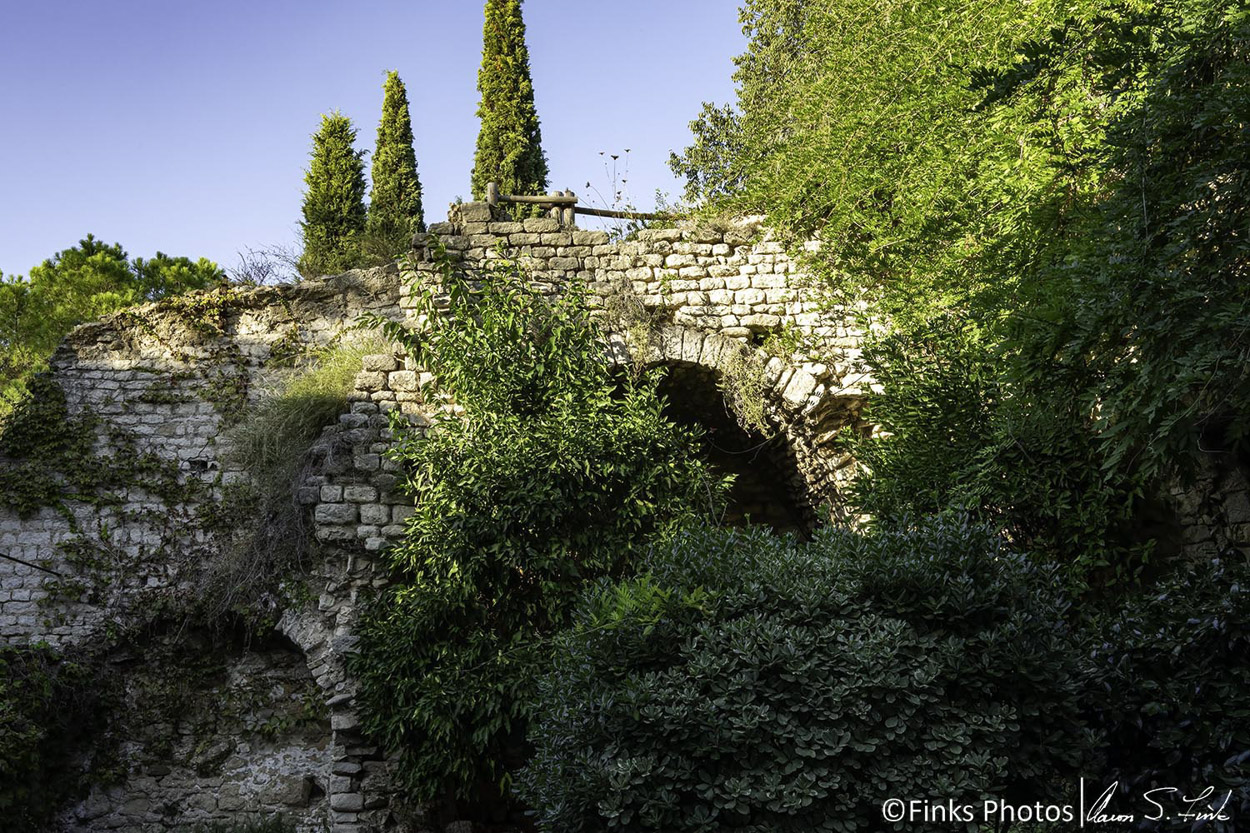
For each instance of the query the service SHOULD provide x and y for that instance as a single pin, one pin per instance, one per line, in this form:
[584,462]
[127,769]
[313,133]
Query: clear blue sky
[184,125]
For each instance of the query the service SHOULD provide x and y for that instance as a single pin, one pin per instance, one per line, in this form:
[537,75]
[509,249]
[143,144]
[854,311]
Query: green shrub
[1169,685]
[557,473]
[758,684]
[955,434]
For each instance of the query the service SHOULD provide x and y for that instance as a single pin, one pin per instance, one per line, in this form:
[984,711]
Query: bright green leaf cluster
[559,472]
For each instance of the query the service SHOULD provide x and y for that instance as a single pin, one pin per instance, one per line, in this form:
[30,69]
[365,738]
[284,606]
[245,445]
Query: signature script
[1164,803]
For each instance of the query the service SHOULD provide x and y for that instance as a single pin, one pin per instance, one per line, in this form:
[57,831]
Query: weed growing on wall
[271,443]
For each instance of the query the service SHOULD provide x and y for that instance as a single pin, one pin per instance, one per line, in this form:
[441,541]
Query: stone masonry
[727,302]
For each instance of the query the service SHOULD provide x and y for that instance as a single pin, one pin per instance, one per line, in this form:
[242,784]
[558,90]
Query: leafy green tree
[77,285]
[395,201]
[557,474]
[1061,186]
[509,144]
[334,207]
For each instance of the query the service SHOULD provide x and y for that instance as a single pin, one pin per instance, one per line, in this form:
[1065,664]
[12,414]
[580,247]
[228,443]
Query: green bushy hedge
[760,685]
[1168,686]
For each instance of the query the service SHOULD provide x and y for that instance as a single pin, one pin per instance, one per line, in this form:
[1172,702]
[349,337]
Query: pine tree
[395,201]
[509,146]
[334,207]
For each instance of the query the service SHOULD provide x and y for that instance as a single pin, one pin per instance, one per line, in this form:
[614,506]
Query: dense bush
[1168,686]
[749,683]
[558,472]
[1067,179]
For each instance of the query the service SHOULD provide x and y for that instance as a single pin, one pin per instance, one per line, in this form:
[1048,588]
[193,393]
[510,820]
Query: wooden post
[492,193]
[570,211]
[556,213]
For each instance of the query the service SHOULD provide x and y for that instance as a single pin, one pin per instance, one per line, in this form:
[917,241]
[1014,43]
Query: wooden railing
[564,207]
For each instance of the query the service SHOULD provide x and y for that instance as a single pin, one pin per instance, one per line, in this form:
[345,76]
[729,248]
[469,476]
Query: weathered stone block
[540,225]
[370,380]
[337,514]
[382,362]
[404,380]
[474,212]
[360,494]
[347,802]
[590,238]
[375,514]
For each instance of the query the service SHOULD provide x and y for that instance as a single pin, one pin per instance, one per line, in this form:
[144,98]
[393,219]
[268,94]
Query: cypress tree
[395,201]
[334,207]
[509,146]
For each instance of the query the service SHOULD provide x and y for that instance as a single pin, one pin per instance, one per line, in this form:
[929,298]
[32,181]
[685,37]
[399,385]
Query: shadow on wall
[767,488]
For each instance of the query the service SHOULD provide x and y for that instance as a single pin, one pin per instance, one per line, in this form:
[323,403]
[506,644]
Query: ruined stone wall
[725,304]
[170,378]
[257,736]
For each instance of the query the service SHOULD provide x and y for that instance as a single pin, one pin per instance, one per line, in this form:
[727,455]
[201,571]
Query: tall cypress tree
[334,204]
[395,201]
[509,146]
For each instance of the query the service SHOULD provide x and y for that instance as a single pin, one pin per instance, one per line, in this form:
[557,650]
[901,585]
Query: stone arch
[804,409]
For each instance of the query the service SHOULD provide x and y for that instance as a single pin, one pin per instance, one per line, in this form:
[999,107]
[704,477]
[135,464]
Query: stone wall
[726,308]
[166,382]
[170,378]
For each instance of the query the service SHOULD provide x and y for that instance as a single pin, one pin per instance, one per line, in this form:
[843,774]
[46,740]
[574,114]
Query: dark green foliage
[334,207]
[395,200]
[77,285]
[1169,686]
[49,708]
[954,435]
[557,473]
[1153,304]
[934,411]
[763,685]
[509,144]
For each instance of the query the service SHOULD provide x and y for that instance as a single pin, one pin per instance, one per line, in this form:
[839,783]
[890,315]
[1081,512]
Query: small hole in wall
[201,466]
[315,790]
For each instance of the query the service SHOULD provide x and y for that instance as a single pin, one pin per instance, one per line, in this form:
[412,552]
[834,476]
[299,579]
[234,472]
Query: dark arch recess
[768,488]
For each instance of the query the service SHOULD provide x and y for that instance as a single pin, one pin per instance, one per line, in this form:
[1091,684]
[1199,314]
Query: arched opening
[768,489]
